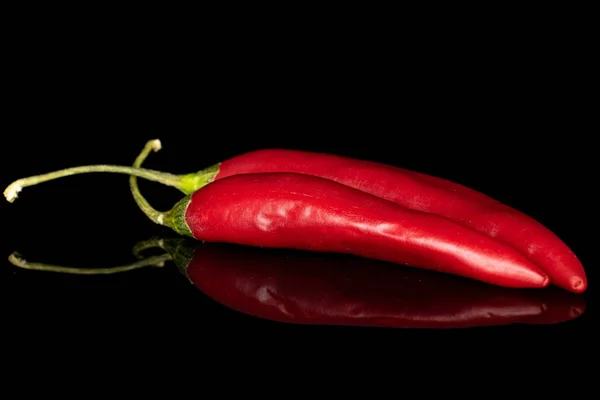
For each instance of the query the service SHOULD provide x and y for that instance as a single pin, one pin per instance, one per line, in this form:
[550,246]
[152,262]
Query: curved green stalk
[187,183]
[12,191]
[174,218]
[154,215]
[155,261]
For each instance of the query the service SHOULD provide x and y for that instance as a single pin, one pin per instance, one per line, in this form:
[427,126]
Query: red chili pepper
[285,210]
[307,212]
[308,288]
[393,183]
[420,192]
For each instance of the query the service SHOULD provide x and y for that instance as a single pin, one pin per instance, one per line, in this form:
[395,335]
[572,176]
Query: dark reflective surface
[92,221]
[297,287]
[308,288]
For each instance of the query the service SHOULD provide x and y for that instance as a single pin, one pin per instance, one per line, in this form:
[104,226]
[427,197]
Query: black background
[508,117]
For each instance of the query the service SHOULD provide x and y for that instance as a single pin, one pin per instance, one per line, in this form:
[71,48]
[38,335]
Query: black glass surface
[524,147]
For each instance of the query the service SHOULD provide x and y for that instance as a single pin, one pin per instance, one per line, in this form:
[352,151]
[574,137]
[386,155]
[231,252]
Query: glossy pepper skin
[429,194]
[325,289]
[297,211]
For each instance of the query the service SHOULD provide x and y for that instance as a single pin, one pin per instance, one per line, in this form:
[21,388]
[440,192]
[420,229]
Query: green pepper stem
[154,215]
[11,192]
[181,251]
[155,261]
[187,183]
[174,218]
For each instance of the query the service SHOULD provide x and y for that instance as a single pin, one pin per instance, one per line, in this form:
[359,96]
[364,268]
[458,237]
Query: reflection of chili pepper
[563,306]
[306,288]
[287,210]
[319,289]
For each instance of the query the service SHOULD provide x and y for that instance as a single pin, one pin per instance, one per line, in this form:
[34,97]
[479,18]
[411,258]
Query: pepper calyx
[175,218]
[189,183]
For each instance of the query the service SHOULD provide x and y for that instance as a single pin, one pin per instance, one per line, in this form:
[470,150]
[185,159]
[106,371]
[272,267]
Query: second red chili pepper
[285,210]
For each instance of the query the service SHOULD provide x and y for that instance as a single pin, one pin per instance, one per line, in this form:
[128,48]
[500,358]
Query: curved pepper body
[329,290]
[408,188]
[286,210]
[422,192]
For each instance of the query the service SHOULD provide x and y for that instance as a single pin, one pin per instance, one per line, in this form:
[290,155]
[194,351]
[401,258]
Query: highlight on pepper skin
[329,289]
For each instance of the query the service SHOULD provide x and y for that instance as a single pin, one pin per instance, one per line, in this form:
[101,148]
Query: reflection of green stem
[180,249]
[147,244]
[155,261]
